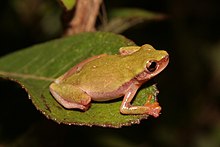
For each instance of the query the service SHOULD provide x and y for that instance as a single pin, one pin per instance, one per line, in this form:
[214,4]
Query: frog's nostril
[166,57]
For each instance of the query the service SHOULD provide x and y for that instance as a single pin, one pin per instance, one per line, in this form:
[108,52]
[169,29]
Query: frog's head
[154,62]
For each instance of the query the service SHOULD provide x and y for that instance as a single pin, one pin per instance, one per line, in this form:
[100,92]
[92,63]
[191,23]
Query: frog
[107,77]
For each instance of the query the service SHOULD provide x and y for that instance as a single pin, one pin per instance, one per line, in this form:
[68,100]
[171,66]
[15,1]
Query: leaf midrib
[26,76]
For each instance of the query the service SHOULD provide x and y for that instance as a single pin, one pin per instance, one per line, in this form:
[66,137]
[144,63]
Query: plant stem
[84,20]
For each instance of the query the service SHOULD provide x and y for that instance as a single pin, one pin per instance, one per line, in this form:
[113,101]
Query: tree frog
[107,77]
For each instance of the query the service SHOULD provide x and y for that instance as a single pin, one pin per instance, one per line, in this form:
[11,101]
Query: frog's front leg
[149,108]
[70,96]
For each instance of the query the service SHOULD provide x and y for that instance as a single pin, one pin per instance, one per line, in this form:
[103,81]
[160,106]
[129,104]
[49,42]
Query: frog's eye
[151,66]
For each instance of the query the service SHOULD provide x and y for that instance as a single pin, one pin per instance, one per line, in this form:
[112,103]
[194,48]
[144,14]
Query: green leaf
[134,12]
[68,4]
[122,19]
[34,68]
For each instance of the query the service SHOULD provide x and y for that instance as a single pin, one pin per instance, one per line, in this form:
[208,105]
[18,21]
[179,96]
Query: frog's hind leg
[70,96]
[128,50]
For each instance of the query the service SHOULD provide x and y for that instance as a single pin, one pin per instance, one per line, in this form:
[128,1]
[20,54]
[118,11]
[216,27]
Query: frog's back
[103,75]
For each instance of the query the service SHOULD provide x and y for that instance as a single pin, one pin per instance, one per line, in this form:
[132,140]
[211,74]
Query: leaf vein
[26,76]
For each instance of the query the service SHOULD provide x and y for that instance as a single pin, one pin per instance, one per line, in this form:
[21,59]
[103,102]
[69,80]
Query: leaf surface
[68,4]
[34,68]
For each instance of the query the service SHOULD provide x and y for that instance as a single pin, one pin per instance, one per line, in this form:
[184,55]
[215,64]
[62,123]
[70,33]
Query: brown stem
[85,16]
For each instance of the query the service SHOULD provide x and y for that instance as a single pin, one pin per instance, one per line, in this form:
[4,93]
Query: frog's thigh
[70,96]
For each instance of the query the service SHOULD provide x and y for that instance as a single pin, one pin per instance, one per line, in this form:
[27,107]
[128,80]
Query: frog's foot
[150,109]
[70,96]
[154,108]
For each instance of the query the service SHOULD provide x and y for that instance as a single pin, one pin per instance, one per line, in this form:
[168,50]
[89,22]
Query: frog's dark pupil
[152,67]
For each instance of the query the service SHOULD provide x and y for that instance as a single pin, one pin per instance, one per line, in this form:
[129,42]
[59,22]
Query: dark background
[189,87]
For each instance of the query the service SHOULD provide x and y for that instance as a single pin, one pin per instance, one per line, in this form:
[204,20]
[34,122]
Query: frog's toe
[154,109]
